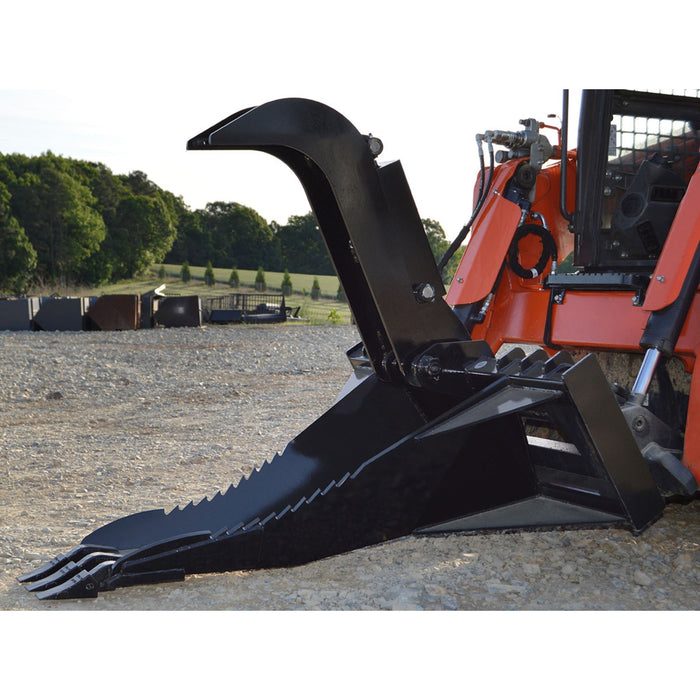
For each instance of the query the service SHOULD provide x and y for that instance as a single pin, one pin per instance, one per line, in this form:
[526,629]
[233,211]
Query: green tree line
[76,222]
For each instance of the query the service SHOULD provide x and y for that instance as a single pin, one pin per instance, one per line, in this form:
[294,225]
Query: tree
[234,280]
[240,237]
[58,215]
[144,226]
[315,289]
[286,284]
[185,274]
[260,284]
[303,248]
[192,241]
[439,245]
[17,255]
[86,224]
[209,278]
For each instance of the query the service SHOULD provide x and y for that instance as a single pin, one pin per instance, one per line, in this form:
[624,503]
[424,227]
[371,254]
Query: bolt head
[429,367]
[639,424]
[425,292]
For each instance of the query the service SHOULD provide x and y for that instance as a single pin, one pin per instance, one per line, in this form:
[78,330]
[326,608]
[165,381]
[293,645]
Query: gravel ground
[98,425]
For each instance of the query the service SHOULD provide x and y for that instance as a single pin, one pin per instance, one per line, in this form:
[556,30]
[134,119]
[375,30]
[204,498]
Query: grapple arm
[368,220]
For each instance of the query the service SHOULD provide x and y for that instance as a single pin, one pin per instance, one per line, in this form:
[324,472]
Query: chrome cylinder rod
[645,375]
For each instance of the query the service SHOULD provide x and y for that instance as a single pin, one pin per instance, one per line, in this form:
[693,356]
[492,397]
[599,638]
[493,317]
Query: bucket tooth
[84,584]
[313,495]
[285,510]
[328,488]
[63,574]
[534,370]
[558,363]
[511,369]
[508,358]
[269,517]
[69,570]
[251,524]
[74,555]
[535,358]
[216,496]
[298,505]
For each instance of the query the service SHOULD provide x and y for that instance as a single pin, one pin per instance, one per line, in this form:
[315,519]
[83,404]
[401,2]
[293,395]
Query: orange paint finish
[496,224]
[491,235]
[593,320]
[585,319]
[516,316]
[602,320]
[681,243]
[547,203]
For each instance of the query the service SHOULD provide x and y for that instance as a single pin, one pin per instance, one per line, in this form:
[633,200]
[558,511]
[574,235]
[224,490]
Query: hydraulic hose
[481,198]
[549,250]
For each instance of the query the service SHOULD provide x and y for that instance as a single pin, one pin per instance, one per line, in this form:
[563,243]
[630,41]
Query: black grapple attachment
[432,432]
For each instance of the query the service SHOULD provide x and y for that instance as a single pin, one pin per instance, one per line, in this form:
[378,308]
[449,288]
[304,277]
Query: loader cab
[636,154]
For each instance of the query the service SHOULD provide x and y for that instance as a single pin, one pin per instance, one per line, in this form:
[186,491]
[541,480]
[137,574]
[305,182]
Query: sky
[128,84]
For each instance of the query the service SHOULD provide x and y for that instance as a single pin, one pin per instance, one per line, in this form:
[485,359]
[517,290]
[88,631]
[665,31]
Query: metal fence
[245,308]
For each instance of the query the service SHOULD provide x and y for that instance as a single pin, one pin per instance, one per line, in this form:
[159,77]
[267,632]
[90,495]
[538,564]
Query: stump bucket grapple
[441,428]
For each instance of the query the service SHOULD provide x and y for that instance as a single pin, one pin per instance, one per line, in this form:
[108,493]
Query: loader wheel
[549,249]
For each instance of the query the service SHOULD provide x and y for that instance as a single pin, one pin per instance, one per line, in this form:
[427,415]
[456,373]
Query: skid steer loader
[590,254]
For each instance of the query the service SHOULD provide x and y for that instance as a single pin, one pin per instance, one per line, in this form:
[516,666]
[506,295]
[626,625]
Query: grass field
[326,310]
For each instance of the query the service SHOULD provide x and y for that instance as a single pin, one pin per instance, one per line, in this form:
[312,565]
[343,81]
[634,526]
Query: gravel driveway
[98,425]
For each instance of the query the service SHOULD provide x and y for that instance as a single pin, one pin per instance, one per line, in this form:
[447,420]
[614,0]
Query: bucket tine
[74,555]
[84,584]
[70,570]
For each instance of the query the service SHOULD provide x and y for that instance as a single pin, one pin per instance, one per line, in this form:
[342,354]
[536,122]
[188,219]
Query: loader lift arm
[434,439]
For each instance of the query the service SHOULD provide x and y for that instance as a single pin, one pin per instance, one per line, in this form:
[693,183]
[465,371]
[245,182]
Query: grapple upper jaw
[367,217]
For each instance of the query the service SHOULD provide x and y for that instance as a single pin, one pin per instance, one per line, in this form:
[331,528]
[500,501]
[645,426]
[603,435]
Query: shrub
[185,274]
[286,284]
[260,284]
[209,278]
[234,280]
[161,272]
[315,290]
[334,317]
[340,294]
